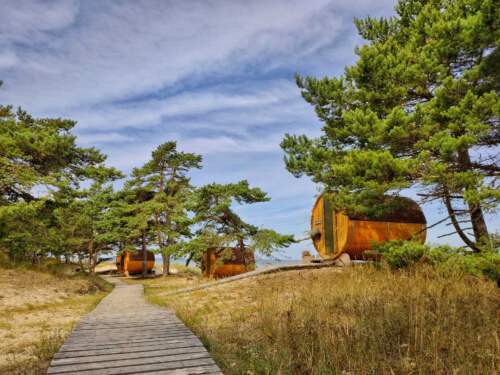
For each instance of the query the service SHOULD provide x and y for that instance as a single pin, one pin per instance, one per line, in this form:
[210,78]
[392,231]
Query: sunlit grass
[183,277]
[358,321]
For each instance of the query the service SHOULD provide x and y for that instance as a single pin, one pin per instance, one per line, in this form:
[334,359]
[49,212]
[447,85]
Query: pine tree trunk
[243,253]
[475,211]
[188,260]
[166,264]
[478,224]
[144,257]
[91,257]
[454,221]
[33,258]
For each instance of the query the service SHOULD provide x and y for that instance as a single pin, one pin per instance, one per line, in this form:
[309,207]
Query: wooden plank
[97,328]
[136,365]
[76,339]
[96,336]
[70,348]
[127,349]
[157,323]
[104,357]
[67,347]
[248,275]
[188,371]
[173,367]
[120,320]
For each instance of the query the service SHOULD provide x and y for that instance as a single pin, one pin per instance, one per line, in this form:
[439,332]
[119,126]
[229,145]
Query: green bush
[447,259]
[401,254]
[485,264]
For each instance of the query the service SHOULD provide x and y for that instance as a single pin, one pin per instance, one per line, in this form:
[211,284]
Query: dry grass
[356,321]
[38,310]
[181,277]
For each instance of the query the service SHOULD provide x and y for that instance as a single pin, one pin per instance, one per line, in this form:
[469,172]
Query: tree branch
[433,225]
[454,221]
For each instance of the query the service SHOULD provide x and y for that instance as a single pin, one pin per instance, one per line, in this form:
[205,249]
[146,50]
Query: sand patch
[37,311]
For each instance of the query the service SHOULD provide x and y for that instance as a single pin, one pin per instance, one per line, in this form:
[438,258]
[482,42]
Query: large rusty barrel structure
[228,261]
[131,262]
[334,233]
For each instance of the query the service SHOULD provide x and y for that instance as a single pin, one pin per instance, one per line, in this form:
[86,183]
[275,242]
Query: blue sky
[217,76]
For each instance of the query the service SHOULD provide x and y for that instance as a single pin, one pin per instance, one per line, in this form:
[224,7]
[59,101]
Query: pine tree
[164,179]
[420,108]
[84,223]
[222,226]
[41,169]
[42,152]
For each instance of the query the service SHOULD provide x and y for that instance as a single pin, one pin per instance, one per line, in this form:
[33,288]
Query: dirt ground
[37,311]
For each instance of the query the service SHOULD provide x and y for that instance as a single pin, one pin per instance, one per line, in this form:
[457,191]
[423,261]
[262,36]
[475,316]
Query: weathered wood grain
[125,335]
[126,349]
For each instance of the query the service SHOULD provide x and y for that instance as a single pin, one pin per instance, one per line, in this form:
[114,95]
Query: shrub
[485,264]
[446,259]
[401,254]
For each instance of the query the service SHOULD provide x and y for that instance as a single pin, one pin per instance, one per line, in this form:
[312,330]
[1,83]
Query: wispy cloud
[32,22]
[124,49]
[186,104]
[103,138]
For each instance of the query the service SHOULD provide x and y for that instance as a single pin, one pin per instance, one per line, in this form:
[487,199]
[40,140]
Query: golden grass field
[38,309]
[358,320]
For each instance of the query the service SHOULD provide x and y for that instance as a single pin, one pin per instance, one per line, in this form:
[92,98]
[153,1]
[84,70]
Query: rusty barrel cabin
[334,233]
[129,263]
[226,262]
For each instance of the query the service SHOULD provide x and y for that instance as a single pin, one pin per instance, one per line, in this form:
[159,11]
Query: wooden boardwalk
[126,335]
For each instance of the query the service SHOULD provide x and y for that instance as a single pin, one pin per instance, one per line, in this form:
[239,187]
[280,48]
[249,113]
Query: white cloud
[8,60]
[229,145]
[116,51]
[26,21]
[151,112]
[137,151]
[100,138]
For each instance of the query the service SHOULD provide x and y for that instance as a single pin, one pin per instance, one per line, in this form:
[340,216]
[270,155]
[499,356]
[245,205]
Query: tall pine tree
[420,108]
[164,179]
[221,226]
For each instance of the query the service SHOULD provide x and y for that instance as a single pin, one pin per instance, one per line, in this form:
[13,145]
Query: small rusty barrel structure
[131,262]
[334,233]
[226,262]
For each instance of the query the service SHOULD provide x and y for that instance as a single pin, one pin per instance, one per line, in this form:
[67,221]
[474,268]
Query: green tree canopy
[87,225]
[164,180]
[41,170]
[420,108]
[222,226]
[42,152]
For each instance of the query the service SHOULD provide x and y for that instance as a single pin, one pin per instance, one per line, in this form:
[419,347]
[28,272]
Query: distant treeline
[57,200]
